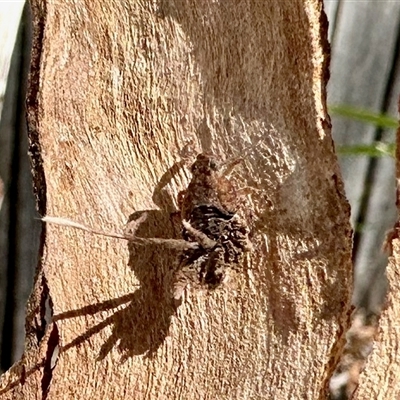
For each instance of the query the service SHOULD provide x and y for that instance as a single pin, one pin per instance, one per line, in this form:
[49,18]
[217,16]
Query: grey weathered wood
[381,215]
[331,9]
[371,261]
[28,227]
[19,230]
[6,147]
[364,44]
[362,56]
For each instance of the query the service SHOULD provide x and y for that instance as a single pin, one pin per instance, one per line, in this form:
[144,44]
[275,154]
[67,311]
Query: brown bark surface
[117,90]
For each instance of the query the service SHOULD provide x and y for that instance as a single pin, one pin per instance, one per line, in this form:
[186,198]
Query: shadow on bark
[142,325]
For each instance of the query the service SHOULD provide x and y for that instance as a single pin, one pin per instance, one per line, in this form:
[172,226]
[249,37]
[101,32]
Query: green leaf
[369,117]
[377,149]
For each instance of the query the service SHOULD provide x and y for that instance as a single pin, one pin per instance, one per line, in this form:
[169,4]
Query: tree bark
[117,90]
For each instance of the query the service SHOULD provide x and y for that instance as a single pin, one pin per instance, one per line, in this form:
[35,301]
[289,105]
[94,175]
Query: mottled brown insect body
[209,185]
[215,236]
[209,210]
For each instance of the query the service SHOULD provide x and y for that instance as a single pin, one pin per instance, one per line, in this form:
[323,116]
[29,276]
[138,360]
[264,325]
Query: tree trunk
[118,92]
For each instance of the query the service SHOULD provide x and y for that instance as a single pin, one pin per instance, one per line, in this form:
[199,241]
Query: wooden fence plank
[19,229]
[331,9]
[380,215]
[364,45]
[362,56]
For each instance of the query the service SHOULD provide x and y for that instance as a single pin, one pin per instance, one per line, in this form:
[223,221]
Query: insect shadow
[141,326]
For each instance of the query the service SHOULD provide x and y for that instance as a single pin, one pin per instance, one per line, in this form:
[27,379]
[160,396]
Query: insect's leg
[161,195]
[189,150]
[201,238]
[132,226]
[244,191]
[229,166]
[181,198]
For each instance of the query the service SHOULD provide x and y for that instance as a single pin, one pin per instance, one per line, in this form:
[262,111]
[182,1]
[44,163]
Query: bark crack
[50,359]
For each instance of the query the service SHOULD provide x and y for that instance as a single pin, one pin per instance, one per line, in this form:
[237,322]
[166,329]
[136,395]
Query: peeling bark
[117,90]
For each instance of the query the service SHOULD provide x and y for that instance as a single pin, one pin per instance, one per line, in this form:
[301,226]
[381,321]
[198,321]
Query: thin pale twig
[127,235]
[67,222]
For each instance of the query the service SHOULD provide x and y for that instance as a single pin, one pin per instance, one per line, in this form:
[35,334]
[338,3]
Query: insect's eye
[213,165]
[194,167]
